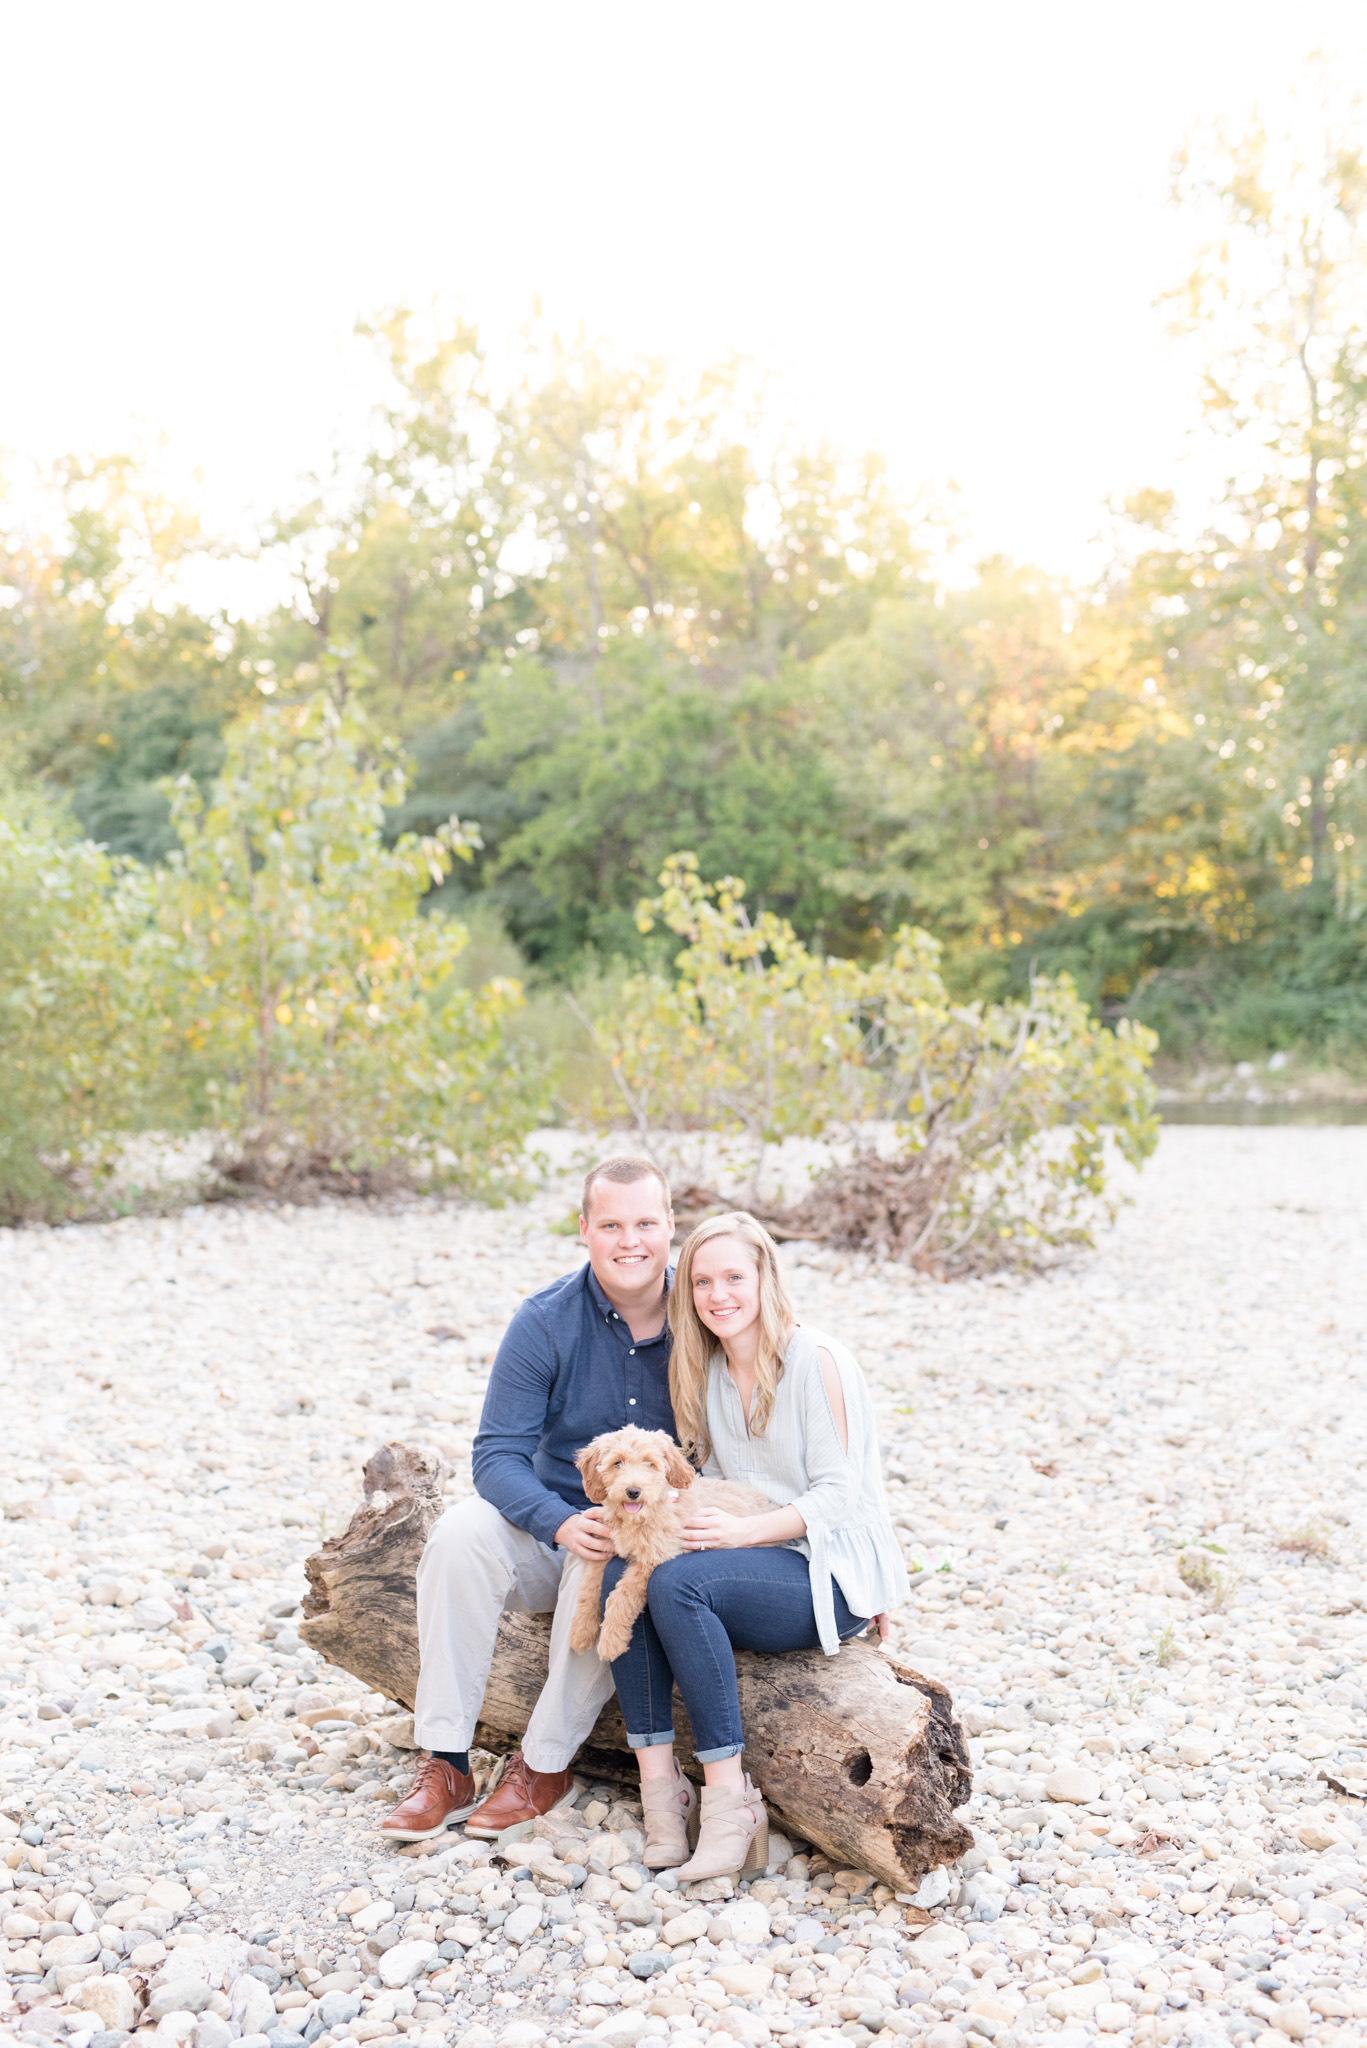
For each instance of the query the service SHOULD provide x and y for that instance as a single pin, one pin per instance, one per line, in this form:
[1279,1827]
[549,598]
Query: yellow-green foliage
[275,981]
[1014,1110]
[310,1006]
[752,1033]
[1010,1108]
[71,1065]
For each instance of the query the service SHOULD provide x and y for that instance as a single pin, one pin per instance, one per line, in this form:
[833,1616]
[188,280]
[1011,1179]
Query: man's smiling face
[627,1230]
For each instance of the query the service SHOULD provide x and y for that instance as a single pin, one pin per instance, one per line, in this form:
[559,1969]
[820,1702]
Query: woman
[760,1399]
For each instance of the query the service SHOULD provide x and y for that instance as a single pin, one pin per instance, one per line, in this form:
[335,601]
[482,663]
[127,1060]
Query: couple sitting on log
[712,1355]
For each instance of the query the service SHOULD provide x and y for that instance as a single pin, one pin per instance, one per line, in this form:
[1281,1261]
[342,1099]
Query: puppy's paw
[582,1631]
[613,1638]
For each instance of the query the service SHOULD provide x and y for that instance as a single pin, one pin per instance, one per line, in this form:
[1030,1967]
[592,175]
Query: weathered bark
[361,1605]
[856,1753]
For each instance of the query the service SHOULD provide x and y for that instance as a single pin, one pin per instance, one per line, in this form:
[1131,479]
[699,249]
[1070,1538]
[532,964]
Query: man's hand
[586,1535]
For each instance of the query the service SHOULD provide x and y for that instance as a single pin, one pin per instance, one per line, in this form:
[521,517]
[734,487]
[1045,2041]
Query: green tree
[314,1015]
[75,1066]
[1265,617]
[571,500]
[607,780]
[91,617]
[661,507]
[400,565]
[1002,759]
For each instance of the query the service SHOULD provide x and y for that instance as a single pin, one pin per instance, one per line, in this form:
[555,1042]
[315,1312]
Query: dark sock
[459,1759]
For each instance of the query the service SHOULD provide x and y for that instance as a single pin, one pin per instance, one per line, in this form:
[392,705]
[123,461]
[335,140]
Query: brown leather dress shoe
[441,1794]
[521,1794]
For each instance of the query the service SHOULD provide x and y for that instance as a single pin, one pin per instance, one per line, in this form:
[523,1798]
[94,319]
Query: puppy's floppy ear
[678,1471]
[589,1472]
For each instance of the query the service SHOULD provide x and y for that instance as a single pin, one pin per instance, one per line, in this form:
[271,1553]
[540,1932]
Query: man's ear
[587,1461]
[678,1471]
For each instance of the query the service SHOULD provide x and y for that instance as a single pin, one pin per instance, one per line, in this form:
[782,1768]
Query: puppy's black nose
[633,1493]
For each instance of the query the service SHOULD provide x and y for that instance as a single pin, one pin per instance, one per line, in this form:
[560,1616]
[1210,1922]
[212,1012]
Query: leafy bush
[72,1043]
[1299,980]
[275,982]
[1006,1116]
[752,1033]
[315,1016]
[1006,1136]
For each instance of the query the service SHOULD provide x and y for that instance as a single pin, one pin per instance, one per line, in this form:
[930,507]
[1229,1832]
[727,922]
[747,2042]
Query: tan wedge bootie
[670,1806]
[734,1836]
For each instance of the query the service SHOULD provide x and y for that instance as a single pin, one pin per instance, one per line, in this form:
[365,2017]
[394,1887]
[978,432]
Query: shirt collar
[605,1307]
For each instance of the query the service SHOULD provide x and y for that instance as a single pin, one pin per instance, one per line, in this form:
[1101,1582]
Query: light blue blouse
[799,1463]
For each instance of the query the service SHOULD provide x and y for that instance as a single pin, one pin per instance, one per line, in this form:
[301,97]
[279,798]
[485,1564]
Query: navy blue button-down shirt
[568,1370]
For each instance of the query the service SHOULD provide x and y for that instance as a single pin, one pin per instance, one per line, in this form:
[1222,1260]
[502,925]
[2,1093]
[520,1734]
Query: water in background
[1263,1112]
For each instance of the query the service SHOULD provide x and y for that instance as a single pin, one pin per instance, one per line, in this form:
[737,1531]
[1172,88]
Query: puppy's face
[632,1469]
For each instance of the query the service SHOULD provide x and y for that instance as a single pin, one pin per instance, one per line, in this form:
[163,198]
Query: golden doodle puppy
[638,1475]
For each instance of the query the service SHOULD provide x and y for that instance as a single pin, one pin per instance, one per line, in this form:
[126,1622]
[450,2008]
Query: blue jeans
[701,1606]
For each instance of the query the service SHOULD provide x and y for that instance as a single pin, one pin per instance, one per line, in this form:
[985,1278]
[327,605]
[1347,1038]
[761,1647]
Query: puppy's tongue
[632,1507]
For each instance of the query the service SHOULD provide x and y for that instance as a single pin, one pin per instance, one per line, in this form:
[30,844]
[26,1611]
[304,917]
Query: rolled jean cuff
[716,1756]
[648,1741]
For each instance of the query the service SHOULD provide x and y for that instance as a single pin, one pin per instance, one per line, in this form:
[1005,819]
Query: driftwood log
[856,1753]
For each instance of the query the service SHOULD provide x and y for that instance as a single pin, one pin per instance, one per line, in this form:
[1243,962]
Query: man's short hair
[623,1171]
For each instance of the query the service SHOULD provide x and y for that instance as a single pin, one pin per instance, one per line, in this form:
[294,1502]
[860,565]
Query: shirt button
[632,1402]
[632,1352]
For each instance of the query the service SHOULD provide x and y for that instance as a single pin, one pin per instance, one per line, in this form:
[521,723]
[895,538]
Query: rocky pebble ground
[1132,1500]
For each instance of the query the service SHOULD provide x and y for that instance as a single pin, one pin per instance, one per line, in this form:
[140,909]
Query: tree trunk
[856,1753]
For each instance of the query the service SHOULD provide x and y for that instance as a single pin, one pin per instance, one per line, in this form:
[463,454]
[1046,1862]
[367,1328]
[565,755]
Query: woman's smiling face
[725,1283]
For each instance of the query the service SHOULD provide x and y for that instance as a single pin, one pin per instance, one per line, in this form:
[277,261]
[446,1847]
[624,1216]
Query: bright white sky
[944,226]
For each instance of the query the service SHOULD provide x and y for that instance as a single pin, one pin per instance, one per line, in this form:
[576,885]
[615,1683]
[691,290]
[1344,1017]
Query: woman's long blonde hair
[695,1346]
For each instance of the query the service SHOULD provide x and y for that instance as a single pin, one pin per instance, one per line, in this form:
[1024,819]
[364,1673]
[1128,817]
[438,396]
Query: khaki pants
[475,1567]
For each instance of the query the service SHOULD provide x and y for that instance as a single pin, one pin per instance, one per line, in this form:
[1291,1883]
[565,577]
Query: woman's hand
[879,1626]
[714,1529]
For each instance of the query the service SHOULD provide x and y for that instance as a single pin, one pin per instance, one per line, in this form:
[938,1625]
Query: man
[587,1354]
